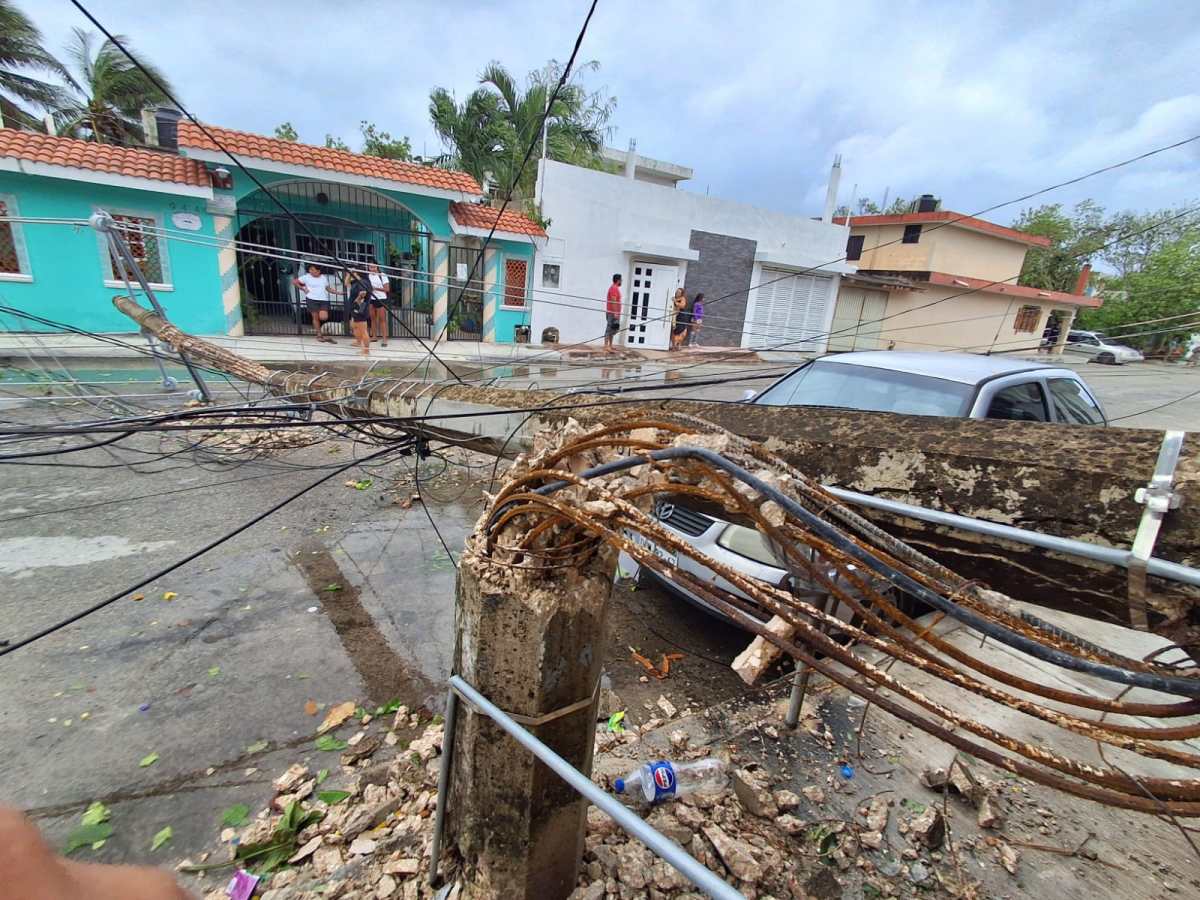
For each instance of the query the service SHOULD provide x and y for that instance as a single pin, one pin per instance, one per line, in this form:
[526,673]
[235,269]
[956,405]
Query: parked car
[1101,347]
[961,385]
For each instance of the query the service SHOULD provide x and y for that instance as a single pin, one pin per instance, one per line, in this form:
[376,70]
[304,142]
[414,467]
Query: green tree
[1074,238]
[106,92]
[21,51]
[380,143]
[1167,285]
[335,143]
[286,132]
[491,131]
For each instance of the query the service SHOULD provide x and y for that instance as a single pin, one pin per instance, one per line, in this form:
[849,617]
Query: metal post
[168,383]
[439,818]
[670,852]
[103,223]
[800,682]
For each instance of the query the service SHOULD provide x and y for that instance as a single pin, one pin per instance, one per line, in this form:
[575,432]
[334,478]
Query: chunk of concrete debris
[336,716]
[403,867]
[1009,858]
[935,779]
[789,824]
[735,854]
[758,657]
[667,707]
[877,814]
[872,840]
[288,780]
[634,865]
[385,888]
[362,750]
[400,720]
[813,793]
[823,885]
[306,851]
[989,815]
[428,745]
[326,861]
[753,792]
[362,846]
[929,828]
[786,800]
[679,740]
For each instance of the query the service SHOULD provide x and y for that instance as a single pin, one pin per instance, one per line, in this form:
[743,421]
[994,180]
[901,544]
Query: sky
[977,103]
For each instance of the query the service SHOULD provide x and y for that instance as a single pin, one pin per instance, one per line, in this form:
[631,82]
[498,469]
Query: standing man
[316,298]
[612,313]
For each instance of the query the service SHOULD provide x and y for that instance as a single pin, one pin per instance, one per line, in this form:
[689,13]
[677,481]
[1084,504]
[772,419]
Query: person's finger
[94,881]
[30,869]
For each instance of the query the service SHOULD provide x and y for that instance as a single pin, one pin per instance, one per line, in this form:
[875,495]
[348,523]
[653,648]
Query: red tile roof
[255,146]
[945,216]
[131,161]
[474,215]
[1012,290]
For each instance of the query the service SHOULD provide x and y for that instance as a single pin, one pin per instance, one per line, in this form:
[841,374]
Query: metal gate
[354,224]
[466,279]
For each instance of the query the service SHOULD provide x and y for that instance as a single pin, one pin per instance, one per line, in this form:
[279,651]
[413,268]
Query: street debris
[336,716]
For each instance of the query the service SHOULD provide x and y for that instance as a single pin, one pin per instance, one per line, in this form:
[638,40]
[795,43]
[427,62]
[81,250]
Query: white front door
[789,312]
[856,319]
[651,287]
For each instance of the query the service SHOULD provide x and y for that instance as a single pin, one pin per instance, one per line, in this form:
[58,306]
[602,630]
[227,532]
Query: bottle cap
[619,784]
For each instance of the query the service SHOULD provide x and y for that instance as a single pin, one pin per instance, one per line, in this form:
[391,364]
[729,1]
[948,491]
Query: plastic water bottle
[664,780]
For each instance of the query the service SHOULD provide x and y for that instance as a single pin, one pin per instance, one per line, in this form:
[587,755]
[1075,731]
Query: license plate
[645,543]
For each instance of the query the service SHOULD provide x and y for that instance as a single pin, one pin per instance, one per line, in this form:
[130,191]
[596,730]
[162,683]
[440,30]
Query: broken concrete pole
[530,640]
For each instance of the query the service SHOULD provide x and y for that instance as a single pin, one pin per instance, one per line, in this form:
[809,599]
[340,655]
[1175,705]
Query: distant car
[1101,347]
[961,385]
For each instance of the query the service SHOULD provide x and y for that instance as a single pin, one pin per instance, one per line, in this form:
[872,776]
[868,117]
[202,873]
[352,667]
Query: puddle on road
[20,556]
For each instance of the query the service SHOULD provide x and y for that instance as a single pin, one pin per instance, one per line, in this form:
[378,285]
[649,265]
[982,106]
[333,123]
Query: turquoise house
[221,249]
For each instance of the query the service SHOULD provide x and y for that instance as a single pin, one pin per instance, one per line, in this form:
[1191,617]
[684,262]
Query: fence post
[531,641]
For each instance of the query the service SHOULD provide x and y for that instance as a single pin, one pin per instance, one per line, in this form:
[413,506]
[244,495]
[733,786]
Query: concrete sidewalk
[273,348]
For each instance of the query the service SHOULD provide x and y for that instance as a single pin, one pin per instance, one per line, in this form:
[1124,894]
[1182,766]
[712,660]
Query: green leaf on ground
[214,671]
[322,775]
[257,747]
[913,806]
[362,484]
[161,838]
[333,587]
[328,742]
[148,760]
[96,813]
[98,844]
[236,815]
[87,835]
[331,797]
[437,719]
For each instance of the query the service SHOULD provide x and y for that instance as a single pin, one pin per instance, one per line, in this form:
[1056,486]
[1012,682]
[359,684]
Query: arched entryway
[355,224]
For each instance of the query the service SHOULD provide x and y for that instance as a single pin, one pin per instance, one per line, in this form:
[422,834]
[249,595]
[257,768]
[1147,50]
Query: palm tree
[107,92]
[490,133]
[21,49]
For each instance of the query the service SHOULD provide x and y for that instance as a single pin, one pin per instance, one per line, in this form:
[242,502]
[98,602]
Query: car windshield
[1101,337]
[869,388]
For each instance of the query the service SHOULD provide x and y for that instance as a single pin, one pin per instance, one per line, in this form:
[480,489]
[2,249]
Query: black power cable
[7,647]
[237,162]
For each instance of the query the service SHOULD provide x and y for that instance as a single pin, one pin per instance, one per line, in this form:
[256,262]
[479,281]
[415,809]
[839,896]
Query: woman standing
[679,327]
[381,289]
[697,319]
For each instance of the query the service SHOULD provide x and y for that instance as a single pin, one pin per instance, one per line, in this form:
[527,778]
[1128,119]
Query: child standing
[358,293]
[697,319]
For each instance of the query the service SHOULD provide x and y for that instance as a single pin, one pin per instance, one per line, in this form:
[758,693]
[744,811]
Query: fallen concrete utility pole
[1071,481]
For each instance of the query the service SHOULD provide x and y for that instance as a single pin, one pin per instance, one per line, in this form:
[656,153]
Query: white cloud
[975,102]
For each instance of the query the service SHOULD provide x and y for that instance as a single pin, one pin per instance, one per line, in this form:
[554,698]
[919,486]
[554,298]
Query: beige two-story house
[940,280]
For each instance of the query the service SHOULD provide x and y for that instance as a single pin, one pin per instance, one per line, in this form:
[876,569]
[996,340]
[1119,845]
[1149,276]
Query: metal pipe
[1113,556]
[803,673]
[670,852]
[439,818]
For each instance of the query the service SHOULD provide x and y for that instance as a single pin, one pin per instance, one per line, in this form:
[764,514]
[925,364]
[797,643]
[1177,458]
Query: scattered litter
[336,716]
[313,609]
[615,722]
[138,597]
[214,671]
[169,595]
[148,760]
[310,708]
[242,885]
[847,771]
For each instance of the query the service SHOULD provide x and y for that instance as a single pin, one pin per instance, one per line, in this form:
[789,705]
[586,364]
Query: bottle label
[663,775]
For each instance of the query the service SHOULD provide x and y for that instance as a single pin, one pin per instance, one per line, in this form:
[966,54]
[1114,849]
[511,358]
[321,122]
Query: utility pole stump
[530,640]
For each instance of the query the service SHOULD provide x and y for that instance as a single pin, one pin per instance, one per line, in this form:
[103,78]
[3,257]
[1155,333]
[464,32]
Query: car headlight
[749,543]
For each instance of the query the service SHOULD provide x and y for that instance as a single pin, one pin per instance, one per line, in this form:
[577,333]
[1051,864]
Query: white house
[768,278]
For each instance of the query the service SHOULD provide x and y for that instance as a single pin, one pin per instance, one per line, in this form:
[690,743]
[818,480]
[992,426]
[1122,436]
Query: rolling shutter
[789,309]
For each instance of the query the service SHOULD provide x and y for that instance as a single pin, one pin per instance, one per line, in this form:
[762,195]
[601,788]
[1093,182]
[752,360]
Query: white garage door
[790,310]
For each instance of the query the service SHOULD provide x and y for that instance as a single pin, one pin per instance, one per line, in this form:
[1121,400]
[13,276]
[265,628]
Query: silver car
[960,385]
[1101,348]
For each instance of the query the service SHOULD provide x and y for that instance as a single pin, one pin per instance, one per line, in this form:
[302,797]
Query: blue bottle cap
[619,784]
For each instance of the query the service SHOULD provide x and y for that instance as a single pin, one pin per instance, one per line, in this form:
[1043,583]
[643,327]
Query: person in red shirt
[612,313]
